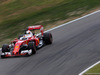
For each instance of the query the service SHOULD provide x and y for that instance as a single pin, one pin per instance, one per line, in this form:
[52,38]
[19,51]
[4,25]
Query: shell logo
[16,46]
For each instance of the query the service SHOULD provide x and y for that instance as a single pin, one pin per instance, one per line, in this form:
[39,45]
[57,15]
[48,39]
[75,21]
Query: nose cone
[17,47]
[16,50]
[15,53]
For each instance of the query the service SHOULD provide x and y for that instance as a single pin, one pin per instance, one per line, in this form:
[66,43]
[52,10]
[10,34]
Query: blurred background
[16,15]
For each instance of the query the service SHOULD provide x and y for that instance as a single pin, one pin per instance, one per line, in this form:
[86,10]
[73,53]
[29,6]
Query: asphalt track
[76,46]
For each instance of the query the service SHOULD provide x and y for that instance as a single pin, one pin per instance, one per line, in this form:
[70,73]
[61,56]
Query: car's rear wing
[37,27]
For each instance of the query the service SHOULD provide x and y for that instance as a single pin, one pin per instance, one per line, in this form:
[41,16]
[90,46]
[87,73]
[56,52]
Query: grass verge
[94,71]
[16,15]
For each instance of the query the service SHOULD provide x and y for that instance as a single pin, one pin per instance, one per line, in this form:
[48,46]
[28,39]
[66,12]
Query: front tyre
[5,48]
[31,46]
[3,56]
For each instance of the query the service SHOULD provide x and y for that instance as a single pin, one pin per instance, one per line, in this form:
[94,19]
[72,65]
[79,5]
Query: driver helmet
[28,34]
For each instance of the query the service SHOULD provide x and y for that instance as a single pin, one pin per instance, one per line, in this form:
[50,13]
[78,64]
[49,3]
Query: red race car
[27,43]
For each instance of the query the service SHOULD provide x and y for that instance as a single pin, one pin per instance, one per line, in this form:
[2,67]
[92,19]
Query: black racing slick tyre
[3,56]
[47,37]
[31,45]
[5,48]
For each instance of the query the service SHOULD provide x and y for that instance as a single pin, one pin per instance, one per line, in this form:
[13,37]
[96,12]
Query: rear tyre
[47,37]
[31,45]
[5,48]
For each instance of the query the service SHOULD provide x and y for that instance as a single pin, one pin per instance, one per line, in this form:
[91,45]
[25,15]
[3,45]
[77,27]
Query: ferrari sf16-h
[27,43]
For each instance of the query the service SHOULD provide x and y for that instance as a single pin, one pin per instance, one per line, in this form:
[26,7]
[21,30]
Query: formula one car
[27,43]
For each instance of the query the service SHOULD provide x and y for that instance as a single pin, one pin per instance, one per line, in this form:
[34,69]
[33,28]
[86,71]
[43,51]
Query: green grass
[16,15]
[95,69]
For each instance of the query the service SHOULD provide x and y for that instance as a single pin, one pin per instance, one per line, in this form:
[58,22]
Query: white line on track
[73,21]
[89,68]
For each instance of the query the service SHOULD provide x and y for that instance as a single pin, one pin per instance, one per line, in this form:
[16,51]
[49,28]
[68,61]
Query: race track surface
[75,47]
